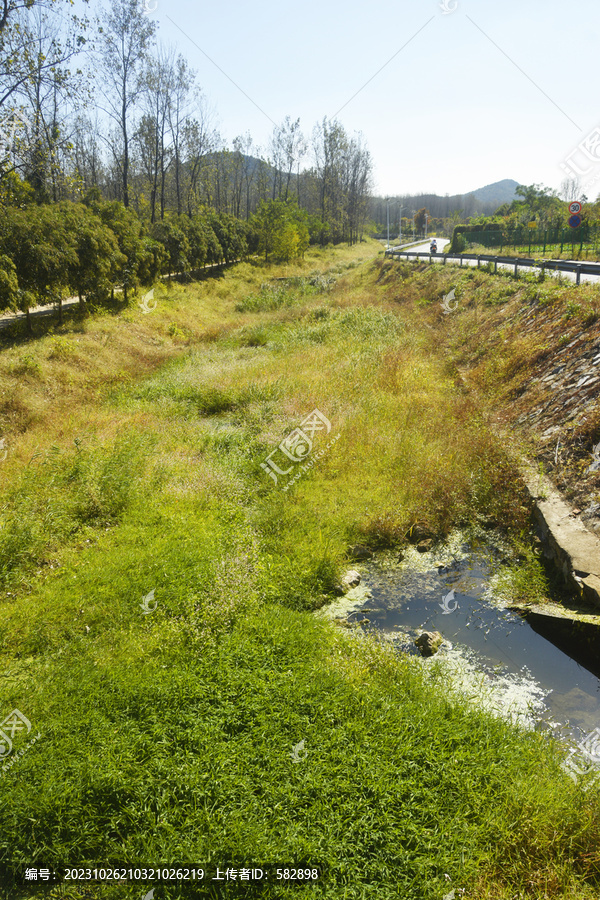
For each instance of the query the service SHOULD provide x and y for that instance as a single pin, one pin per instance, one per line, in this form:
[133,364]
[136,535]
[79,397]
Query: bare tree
[9,9]
[127,38]
[17,56]
[184,93]
[339,185]
[329,146]
[200,142]
[87,156]
[570,189]
[36,84]
[153,137]
[244,146]
[287,148]
[357,187]
[46,98]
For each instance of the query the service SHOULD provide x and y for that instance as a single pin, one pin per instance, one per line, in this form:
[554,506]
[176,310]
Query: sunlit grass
[167,735]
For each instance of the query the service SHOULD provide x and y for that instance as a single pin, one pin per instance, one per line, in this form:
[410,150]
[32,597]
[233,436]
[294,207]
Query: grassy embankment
[167,737]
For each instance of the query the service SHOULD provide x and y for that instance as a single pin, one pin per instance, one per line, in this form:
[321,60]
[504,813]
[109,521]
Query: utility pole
[414,211]
[388,222]
[426,218]
[400,224]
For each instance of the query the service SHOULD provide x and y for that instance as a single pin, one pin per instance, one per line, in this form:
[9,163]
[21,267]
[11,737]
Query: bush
[459,243]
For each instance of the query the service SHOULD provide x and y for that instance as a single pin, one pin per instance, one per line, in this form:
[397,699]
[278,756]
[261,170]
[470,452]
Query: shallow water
[490,653]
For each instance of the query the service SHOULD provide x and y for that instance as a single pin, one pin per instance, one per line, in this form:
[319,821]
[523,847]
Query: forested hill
[497,193]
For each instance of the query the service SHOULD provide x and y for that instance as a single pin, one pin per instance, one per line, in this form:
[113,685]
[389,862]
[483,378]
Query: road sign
[575,207]
[575,221]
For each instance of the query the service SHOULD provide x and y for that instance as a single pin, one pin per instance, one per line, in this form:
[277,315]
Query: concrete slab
[575,550]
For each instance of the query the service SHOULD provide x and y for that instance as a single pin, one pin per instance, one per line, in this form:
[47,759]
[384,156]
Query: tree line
[85,249]
[98,105]
[444,213]
[533,203]
[535,207]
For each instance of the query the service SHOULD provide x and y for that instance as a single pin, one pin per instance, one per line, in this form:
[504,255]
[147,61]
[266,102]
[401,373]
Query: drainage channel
[489,652]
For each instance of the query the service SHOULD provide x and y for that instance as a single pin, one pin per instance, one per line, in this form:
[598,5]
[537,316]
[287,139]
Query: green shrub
[459,244]
[27,365]
[62,349]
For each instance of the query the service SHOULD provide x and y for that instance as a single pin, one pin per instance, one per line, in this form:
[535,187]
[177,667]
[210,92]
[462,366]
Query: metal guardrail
[558,265]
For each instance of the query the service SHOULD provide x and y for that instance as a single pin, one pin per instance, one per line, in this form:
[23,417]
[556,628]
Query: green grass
[168,737]
[538,250]
[284,293]
[399,784]
[526,582]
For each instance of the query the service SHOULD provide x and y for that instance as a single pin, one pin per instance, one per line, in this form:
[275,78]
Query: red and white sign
[575,207]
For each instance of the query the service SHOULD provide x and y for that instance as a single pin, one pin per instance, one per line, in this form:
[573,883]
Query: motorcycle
[433,247]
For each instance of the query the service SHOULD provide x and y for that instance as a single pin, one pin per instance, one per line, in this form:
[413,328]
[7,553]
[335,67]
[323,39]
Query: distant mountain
[499,192]
[482,202]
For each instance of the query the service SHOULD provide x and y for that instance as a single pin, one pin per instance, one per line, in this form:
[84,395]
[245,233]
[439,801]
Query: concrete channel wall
[574,627]
[574,549]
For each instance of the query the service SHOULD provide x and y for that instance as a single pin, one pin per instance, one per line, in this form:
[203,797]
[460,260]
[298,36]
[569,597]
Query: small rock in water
[359,551]
[351,579]
[429,642]
[425,545]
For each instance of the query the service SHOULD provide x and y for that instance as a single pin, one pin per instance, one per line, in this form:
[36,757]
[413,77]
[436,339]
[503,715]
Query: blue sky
[451,112]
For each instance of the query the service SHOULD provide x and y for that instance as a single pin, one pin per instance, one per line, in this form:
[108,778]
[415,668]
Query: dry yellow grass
[52,385]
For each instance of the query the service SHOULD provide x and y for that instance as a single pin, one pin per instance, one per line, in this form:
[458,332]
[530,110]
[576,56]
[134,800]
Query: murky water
[491,654]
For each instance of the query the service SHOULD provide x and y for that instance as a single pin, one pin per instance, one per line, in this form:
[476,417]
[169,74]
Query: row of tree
[448,209]
[52,251]
[100,105]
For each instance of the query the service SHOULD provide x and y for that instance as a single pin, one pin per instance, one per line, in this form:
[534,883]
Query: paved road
[443,242]
[418,246]
[8,318]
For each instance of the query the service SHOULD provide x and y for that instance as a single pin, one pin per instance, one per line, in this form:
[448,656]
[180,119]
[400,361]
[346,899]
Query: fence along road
[573,270]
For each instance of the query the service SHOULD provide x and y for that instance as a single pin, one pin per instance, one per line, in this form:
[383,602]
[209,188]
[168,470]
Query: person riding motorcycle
[433,246]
